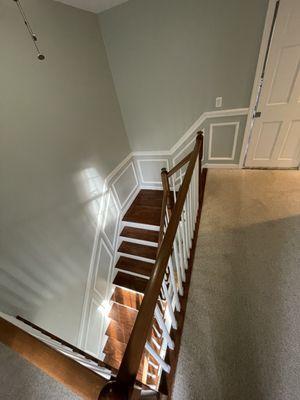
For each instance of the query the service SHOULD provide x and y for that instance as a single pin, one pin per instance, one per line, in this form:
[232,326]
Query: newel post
[200,137]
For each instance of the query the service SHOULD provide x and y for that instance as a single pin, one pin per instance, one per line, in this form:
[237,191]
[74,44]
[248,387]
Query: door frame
[259,68]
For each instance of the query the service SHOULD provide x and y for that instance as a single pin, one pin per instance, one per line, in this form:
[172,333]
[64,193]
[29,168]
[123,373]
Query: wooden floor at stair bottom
[122,317]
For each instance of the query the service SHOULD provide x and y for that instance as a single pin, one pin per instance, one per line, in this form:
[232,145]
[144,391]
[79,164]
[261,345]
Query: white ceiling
[93,5]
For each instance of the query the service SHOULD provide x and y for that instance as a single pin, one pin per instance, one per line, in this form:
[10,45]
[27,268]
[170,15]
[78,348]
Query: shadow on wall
[247,322]
[44,261]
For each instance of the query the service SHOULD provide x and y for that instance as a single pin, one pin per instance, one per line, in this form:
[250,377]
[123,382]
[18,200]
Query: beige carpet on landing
[241,337]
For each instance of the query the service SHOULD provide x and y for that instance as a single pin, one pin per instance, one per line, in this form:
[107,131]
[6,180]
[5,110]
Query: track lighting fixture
[30,31]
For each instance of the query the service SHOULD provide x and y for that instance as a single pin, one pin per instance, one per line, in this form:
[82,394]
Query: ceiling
[93,5]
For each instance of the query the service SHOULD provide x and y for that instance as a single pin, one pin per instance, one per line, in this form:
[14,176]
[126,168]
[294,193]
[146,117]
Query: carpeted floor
[241,337]
[20,380]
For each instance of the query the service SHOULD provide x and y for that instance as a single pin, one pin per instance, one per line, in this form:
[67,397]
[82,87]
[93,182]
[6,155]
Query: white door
[275,137]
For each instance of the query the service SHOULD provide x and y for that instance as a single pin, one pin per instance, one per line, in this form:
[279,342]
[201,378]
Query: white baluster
[184,239]
[162,325]
[178,266]
[181,254]
[189,196]
[169,304]
[166,367]
[174,286]
[187,224]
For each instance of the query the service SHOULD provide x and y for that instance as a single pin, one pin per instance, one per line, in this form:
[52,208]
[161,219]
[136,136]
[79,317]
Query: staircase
[152,278]
[137,254]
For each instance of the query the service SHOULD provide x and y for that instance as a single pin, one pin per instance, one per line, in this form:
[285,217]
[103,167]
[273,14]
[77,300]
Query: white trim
[102,244]
[91,272]
[131,164]
[118,168]
[193,129]
[158,153]
[236,132]
[182,150]
[222,166]
[204,116]
[88,327]
[139,161]
[111,196]
[260,62]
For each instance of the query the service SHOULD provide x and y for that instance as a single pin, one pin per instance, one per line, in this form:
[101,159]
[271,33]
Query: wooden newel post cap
[199,135]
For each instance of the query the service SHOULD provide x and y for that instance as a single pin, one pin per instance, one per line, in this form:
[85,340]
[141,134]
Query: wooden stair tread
[134,265]
[120,332]
[149,197]
[143,215]
[140,234]
[130,282]
[127,298]
[114,351]
[146,208]
[140,250]
[122,314]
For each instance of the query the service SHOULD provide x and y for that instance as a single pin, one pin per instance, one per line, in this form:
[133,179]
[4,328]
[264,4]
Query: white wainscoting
[150,170]
[137,170]
[214,131]
[94,329]
[120,189]
[125,184]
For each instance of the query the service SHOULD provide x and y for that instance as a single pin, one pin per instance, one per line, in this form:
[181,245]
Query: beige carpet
[241,337]
[20,380]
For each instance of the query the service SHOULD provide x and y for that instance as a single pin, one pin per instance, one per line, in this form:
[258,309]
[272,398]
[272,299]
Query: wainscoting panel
[110,224]
[103,268]
[119,191]
[94,328]
[222,141]
[150,170]
[125,184]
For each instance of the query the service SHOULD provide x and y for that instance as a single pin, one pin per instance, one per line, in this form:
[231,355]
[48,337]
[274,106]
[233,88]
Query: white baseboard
[221,166]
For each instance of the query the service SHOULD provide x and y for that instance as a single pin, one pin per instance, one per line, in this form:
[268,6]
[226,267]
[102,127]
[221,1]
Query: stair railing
[162,299]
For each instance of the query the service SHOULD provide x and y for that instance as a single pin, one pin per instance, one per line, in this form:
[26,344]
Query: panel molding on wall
[108,264]
[94,347]
[108,218]
[155,178]
[120,189]
[236,126]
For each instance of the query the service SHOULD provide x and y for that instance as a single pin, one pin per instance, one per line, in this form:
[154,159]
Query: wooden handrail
[64,343]
[184,161]
[134,351]
[78,378]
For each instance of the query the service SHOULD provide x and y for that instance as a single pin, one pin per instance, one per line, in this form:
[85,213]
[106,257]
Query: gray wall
[171,59]
[61,133]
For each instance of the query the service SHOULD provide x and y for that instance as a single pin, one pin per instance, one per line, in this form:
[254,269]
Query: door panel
[291,146]
[275,137]
[268,135]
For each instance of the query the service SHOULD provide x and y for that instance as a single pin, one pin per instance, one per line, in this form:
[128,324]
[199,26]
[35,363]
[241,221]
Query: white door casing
[275,138]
